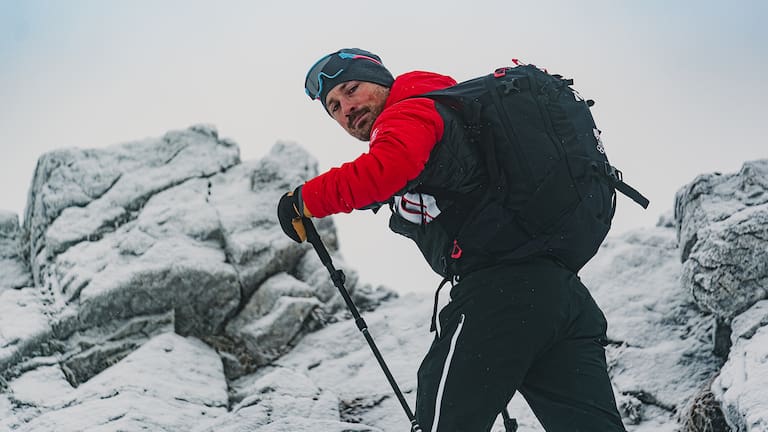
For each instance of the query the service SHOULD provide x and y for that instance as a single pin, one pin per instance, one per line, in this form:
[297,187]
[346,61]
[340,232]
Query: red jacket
[402,138]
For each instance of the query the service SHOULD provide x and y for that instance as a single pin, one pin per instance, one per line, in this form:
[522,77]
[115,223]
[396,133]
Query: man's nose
[348,108]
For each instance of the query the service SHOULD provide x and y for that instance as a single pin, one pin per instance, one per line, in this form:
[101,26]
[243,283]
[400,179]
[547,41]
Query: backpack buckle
[509,86]
[613,172]
[500,72]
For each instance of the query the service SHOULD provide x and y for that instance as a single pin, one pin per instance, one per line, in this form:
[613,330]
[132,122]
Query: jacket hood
[415,83]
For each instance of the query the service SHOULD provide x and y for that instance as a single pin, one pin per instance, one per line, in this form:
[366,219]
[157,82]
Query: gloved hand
[290,211]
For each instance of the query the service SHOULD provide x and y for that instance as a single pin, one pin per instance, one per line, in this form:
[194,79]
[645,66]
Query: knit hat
[348,64]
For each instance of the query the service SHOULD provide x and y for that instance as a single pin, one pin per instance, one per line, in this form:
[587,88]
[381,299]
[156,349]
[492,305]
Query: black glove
[290,211]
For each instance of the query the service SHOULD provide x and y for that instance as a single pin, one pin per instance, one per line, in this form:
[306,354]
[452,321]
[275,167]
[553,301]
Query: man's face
[355,105]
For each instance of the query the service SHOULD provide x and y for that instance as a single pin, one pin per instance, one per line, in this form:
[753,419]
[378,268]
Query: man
[525,325]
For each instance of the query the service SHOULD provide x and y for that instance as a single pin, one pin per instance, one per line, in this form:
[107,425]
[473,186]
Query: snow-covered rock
[284,400]
[12,268]
[742,383]
[25,326]
[136,241]
[273,317]
[156,387]
[723,233]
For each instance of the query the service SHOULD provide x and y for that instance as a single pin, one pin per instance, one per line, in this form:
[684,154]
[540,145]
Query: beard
[363,130]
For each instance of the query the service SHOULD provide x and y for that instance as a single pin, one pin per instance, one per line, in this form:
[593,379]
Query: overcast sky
[680,85]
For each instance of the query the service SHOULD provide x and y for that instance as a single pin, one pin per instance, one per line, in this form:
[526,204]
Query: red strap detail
[500,72]
[456,252]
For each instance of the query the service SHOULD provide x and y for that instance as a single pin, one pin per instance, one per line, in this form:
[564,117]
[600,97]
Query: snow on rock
[80,195]
[7,416]
[12,267]
[267,336]
[156,387]
[245,200]
[742,383]
[284,400]
[723,233]
[24,325]
[45,387]
[151,238]
[198,245]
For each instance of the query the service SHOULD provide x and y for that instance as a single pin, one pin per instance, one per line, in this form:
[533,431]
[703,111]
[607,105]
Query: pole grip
[314,238]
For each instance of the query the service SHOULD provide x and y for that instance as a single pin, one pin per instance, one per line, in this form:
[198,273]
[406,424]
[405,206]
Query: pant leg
[491,331]
[568,388]
[502,325]
[447,375]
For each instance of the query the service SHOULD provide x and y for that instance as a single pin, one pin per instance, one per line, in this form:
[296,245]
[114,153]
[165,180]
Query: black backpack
[551,189]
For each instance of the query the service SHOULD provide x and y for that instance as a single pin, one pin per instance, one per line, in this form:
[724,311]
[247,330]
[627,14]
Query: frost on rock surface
[723,233]
[283,400]
[156,387]
[150,287]
[742,383]
[130,249]
[12,267]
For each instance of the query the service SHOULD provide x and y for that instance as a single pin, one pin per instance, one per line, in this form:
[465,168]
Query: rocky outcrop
[127,250]
[723,234]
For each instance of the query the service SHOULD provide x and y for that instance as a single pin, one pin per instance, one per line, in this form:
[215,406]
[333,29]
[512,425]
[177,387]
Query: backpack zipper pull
[456,251]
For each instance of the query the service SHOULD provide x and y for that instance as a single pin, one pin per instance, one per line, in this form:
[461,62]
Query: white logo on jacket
[416,208]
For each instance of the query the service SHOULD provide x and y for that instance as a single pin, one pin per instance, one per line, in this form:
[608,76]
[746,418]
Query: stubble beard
[363,133]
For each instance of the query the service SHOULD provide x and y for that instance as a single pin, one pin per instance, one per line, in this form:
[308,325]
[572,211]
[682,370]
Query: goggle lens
[313,83]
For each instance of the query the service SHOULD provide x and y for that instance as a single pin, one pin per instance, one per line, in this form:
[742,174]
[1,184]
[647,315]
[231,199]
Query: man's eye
[352,89]
[334,107]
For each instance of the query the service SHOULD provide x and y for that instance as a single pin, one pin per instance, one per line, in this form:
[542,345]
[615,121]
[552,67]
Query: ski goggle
[313,83]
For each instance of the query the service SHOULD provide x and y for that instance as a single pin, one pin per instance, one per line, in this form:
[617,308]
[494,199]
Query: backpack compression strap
[614,177]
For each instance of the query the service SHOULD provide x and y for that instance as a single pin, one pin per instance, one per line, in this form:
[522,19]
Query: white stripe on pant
[446,367]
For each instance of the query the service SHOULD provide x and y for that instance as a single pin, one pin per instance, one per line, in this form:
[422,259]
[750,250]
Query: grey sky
[680,85]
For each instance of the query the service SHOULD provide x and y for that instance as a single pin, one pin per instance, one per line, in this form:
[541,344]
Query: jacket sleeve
[401,140]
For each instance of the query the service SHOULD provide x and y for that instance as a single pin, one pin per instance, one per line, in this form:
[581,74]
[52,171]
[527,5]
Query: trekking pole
[338,279]
[510,424]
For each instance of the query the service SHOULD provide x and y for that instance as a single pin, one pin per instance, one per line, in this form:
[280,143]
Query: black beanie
[348,64]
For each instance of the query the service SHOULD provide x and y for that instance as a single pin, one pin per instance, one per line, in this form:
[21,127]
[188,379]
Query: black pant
[532,328]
